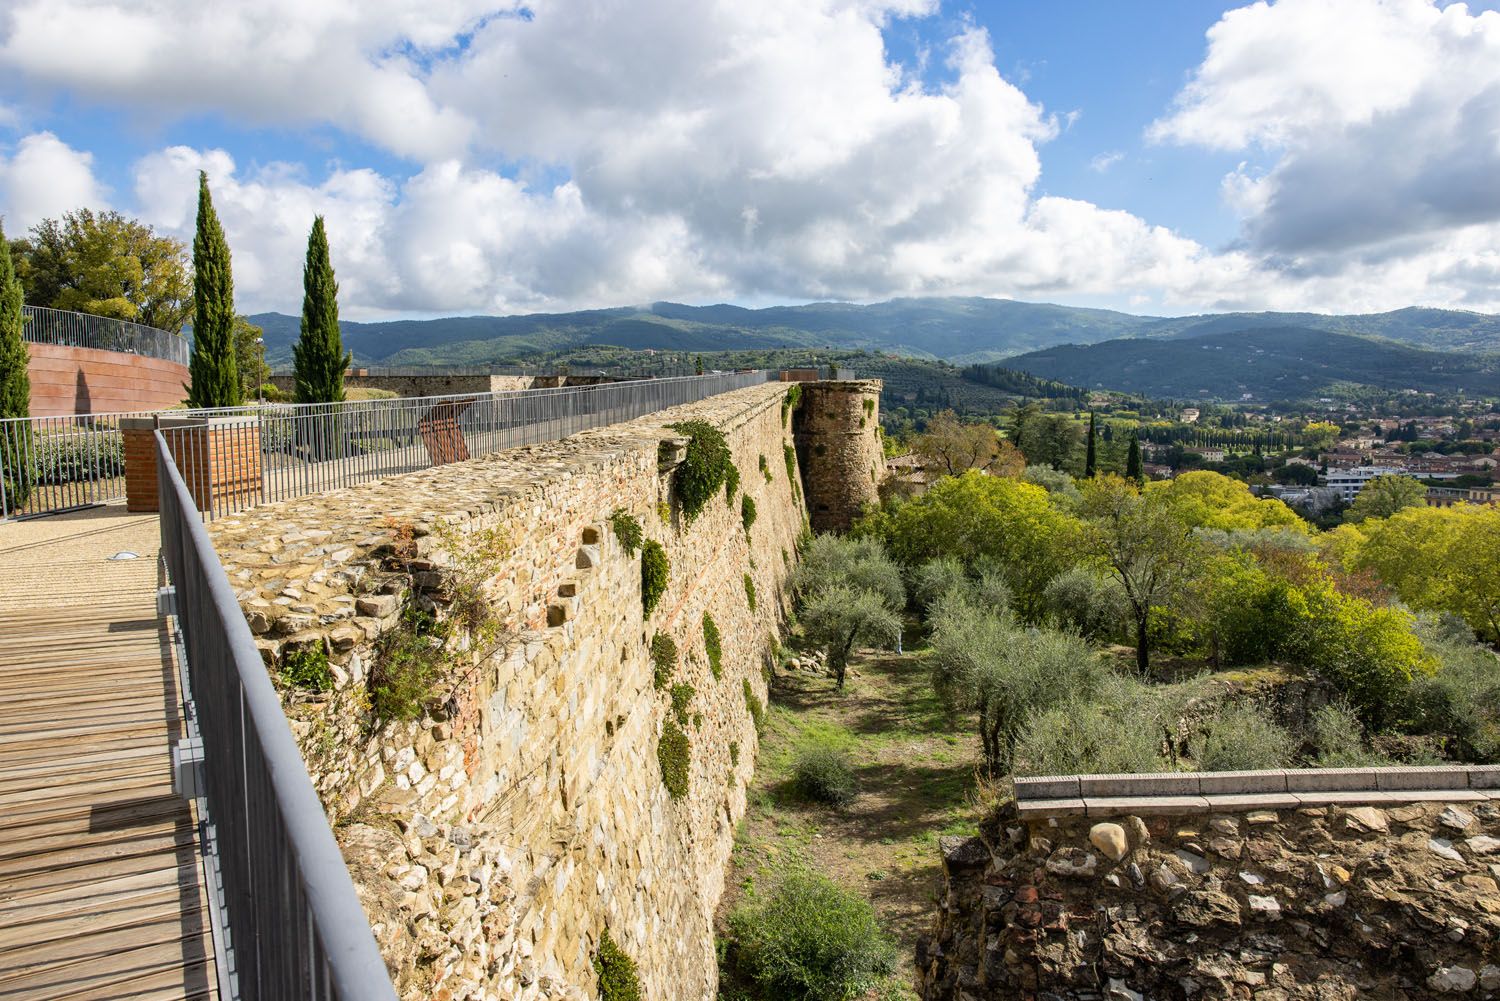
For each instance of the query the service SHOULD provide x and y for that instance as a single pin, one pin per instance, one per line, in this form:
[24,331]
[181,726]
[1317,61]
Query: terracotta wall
[67,381]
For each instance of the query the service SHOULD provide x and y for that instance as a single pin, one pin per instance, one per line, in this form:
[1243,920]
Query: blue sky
[1165,156]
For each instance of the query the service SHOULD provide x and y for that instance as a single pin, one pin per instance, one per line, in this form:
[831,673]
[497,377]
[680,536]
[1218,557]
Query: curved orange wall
[67,381]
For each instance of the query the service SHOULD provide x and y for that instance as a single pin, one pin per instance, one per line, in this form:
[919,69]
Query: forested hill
[961,330]
[1268,363]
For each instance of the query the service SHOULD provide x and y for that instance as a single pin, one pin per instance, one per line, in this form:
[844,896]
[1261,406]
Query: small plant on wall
[713,646]
[705,469]
[750,591]
[674,753]
[306,667]
[410,661]
[765,469]
[790,402]
[627,528]
[731,485]
[747,511]
[618,980]
[655,569]
[663,659]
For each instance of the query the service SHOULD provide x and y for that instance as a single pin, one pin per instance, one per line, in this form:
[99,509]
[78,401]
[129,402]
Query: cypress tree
[1133,469]
[1090,458]
[318,357]
[215,377]
[15,385]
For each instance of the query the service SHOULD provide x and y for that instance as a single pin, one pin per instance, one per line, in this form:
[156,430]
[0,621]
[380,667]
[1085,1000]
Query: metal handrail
[102,333]
[296,929]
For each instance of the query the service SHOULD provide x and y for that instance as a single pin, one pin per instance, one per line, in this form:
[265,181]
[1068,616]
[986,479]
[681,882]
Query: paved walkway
[100,880]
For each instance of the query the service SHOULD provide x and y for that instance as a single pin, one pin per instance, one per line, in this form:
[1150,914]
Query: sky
[1156,156]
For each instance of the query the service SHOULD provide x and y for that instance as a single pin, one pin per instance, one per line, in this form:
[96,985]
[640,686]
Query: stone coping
[1207,792]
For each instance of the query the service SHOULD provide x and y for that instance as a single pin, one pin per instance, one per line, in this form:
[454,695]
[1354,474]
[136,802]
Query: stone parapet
[494,839]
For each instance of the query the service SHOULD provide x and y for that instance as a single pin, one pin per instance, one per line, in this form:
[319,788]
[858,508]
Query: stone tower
[838,447]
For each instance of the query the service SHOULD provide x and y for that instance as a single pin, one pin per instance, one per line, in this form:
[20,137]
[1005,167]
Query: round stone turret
[837,429]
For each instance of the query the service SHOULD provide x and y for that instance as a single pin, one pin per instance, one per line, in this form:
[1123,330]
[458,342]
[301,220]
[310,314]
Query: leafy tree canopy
[1204,499]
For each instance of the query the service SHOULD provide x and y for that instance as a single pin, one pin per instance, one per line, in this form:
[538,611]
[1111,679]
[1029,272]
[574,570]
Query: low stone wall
[494,840]
[1327,894]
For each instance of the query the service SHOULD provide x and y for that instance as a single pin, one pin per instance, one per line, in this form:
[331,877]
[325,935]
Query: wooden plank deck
[101,890]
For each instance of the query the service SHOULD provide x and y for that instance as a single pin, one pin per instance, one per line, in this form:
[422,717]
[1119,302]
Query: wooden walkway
[100,878]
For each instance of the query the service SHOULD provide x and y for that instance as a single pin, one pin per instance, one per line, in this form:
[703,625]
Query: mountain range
[1444,348]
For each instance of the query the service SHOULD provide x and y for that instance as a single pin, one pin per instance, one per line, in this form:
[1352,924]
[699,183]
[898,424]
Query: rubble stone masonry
[839,446]
[494,840]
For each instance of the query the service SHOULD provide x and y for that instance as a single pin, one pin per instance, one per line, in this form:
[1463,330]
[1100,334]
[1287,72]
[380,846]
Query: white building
[1349,482]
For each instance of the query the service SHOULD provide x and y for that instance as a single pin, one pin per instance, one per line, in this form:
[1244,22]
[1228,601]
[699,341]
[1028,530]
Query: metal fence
[50,464]
[242,457]
[292,926]
[80,330]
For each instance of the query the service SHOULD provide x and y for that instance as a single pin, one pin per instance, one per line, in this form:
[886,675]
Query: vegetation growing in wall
[627,529]
[731,485]
[790,402]
[750,591]
[705,469]
[755,707]
[473,560]
[747,511]
[734,752]
[618,980]
[663,659]
[306,667]
[674,753]
[410,661]
[655,569]
[682,697]
[713,646]
[765,469]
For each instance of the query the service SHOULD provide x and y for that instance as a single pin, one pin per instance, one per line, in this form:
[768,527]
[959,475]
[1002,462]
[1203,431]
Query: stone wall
[449,383]
[838,445]
[496,838]
[1369,898]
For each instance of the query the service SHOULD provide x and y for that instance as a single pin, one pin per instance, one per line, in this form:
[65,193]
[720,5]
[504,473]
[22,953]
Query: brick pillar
[139,436]
[218,457]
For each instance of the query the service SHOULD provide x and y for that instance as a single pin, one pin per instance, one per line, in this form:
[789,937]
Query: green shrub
[747,511]
[67,458]
[713,646]
[809,939]
[734,752]
[655,569]
[821,772]
[409,662]
[1338,739]
[618,980]
[1082,738]
[682,697]
[754,707]
[705,469]
[1241,737]
[1461,699]
[791,401]
[750,591]
[731,484]
[627,529]
[765,469]
[663,659]
[674,753]
[935,578]
[790,455]
[1087,602]
[307,667]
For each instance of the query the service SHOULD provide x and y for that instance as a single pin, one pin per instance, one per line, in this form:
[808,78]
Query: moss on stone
[663,659]
[682,697]
[755,707]
[674,752]
[750,591]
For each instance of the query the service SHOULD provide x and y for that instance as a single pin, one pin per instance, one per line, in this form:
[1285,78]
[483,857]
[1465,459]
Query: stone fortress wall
[839,448]
[496,839]
[440,383]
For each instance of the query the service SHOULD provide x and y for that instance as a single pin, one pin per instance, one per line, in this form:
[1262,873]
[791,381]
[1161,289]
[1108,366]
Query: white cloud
[1382,119]
[576,154]
[45,177]
[1102,162]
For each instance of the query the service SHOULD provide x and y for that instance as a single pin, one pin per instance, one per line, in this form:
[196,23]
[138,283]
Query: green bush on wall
[713,646]
[765,469]
[627,529]
[704,470]
[674,752]
[655,569]
[790,401]
[754,706]
[409,663]
[618,980]
[682,697]
[750,591]
[306,667]
[663,659]
[731,485]
[747,511]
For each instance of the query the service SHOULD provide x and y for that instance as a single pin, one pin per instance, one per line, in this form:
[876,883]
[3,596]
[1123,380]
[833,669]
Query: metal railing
[264,454]
[50,464]
[81,330]
[242,457]
[293,926]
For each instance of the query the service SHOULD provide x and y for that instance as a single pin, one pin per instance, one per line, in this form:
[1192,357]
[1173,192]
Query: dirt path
[916,771]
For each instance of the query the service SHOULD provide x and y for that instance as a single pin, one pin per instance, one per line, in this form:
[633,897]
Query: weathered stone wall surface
[495,839]
[1325,903]
[838,445]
